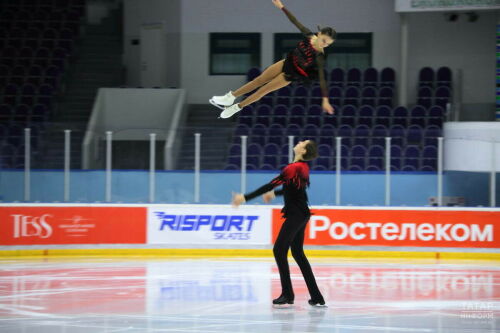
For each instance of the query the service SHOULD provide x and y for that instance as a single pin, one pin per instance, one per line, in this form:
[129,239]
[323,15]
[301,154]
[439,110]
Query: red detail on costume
[296,174]
[305,59]
[298,68]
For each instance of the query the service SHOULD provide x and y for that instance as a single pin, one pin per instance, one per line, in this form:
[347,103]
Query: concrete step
[95,81]
[79,99]
[61,126]
[68,106]
[101,30]
[102,40]
[205,152]
[65,116]
[99,62]
[81,74]
[87,93]
[75,118]
[216,134]
[58,134]
[75,151]
[203,166]
[69,111]
[83,110]
[211,123]
[58,163]
[74,86]
[111,44]
[57,157]
[101,35]
[95,63]
[78,111]
[103,57]
[59,147]
[214,137]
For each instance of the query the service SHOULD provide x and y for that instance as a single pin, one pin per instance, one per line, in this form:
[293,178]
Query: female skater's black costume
[305,64]
[294,178]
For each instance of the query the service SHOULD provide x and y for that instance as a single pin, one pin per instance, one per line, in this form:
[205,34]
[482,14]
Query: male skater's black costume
[294,178]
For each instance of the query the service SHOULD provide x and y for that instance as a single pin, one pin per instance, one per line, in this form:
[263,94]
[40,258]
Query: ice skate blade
[282,306]
[319,306]
[215,104]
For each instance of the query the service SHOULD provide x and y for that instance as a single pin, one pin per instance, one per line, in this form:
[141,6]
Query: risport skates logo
[219,226]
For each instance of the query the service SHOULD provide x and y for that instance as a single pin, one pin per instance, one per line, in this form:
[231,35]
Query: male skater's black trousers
[291,236]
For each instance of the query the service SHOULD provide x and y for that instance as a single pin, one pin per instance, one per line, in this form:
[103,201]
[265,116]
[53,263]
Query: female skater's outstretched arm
[293,19]
[322,83]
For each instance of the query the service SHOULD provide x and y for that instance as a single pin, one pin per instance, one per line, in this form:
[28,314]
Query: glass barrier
[204,165]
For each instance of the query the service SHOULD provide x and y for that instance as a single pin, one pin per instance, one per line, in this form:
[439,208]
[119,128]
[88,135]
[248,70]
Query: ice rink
[144,294]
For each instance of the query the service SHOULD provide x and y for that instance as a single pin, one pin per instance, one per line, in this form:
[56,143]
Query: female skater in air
[303,64]
[294,178]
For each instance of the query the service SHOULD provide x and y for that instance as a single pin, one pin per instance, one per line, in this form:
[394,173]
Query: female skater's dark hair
[311,151]
[329,31]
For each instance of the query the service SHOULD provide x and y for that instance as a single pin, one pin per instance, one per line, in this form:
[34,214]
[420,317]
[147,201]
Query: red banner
[72,225]
[428,228]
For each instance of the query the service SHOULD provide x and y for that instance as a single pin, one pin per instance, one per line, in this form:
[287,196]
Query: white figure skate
[230,111]
[222,101]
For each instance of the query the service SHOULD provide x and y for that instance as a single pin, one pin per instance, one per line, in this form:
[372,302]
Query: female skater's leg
[267,75]
[275,84]
[298,254]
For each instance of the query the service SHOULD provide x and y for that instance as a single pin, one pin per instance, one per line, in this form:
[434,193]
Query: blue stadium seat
[426,77]
[370,77]
[387,77]
[354,77]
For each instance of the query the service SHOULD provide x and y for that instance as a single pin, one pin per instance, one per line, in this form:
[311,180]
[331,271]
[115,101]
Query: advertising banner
[428,228]
[34,225]
[445,5]
[246,225]
[205,224]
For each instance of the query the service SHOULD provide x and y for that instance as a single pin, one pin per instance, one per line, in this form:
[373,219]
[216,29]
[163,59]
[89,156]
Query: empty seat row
[351,77]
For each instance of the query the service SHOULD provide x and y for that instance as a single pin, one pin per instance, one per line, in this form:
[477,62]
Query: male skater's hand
[268,196]
[238,199]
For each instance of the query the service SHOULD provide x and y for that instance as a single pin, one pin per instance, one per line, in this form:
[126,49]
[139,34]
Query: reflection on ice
[217,295]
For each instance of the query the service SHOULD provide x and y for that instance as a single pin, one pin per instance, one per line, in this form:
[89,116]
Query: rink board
[250,230]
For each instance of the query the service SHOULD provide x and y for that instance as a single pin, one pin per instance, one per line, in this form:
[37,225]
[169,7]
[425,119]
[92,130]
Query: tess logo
[31,226]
